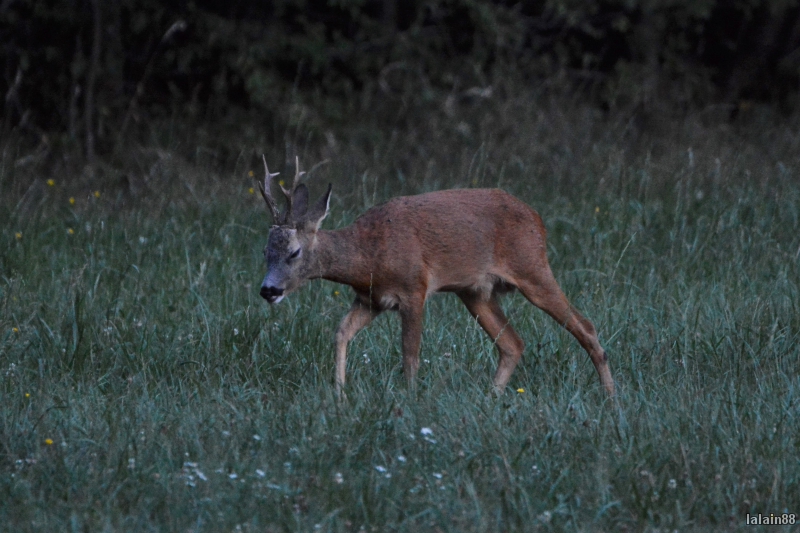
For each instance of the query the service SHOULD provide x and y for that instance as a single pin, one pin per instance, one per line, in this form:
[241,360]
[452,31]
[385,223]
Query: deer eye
[294,254]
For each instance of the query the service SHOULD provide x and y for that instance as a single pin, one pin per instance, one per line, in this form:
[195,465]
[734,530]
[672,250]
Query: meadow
[146,386]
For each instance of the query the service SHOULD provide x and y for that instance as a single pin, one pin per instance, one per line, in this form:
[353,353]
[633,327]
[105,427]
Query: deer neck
[337,257]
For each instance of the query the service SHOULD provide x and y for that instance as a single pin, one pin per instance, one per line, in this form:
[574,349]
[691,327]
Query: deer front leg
[411,320]
[354,321]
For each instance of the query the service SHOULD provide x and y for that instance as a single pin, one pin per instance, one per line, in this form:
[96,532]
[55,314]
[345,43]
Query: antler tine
[295,181]
[297,173]
[266,192]
[289,194]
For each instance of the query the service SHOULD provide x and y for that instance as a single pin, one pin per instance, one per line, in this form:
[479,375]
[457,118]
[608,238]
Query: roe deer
[477,243]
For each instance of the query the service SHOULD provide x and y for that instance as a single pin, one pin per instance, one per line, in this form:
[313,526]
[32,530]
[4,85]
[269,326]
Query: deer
[476,243]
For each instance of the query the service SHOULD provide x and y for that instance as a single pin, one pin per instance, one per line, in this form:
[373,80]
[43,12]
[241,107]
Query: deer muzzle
[271,294]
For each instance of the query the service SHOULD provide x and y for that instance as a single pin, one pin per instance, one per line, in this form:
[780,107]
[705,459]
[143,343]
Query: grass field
[147,387]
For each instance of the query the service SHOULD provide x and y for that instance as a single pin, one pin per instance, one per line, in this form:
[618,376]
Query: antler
[290,193]
[267,194]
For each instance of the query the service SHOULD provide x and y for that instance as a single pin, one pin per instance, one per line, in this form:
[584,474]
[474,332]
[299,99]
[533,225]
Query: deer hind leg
[545,294]
[492,319]
[355,320]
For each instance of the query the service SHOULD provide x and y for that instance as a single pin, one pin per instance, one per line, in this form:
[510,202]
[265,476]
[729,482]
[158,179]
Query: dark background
[82,79]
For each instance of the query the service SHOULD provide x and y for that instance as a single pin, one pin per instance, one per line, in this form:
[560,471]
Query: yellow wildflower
[70,231]
[15,329]
[49,442]
[71,200]
[18,235]
[251,190]
[520,390]
[51,182]
[281,183]
[250,174]
[97,194]
[597,209]
[27,394]
[336,293]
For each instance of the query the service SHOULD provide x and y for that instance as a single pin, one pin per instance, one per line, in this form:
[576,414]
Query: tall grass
[146,386]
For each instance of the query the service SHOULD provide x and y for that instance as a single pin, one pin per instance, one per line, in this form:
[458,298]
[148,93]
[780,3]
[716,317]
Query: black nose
[270,293]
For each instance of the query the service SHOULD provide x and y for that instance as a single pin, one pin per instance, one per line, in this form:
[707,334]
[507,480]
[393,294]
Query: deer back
[444,240]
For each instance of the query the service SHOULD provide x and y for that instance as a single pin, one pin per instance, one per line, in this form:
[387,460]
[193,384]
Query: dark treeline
[91,73]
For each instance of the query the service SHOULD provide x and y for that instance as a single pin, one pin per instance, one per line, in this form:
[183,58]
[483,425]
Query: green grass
[145,385]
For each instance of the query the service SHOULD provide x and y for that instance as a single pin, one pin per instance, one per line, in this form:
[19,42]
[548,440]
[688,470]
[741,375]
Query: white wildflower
[426,434]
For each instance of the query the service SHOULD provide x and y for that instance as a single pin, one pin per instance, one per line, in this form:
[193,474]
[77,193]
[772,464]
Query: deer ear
[318,212]
[299,202]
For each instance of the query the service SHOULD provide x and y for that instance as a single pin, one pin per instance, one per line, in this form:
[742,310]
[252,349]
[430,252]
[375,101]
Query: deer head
[293,237]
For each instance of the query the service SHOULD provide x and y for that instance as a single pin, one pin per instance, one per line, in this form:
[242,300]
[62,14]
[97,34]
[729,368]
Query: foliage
[202,61]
